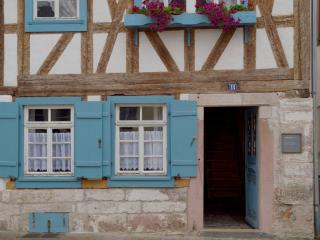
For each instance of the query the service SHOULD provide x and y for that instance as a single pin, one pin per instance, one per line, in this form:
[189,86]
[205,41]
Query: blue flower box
[187,20]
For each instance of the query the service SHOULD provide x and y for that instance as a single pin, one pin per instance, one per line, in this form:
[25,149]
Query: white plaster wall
[5,98]
[10,60]
[70,60]
[149,60]
[2,184]
[40,47]
[232,57]
[264,58]
[101,11]
[170,39]
[282,7]
[10,11]
[117,62]
[287,36]
[204,42]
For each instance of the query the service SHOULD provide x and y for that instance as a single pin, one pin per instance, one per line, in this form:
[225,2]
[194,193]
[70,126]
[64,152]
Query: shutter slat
[183,133]
[9,139]
[88,133]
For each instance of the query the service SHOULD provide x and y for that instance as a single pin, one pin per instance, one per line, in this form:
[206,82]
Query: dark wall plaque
[291,143]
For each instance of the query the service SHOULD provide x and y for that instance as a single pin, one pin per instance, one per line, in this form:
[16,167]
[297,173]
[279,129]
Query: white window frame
[56,11]
[48,125]
[140,124]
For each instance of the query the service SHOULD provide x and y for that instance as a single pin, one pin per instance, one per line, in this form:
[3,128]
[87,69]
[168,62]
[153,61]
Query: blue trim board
[55,25]
[187,20]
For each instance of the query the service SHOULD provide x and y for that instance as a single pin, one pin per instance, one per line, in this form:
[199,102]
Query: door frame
[266,149]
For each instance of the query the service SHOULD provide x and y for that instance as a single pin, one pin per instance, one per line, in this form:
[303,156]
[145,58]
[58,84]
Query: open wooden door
[251,167]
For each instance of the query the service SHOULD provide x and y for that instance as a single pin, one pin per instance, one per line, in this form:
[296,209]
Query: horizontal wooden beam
[8,90]
[268,80]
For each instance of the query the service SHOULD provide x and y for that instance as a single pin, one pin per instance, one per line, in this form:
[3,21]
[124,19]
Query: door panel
[251,169]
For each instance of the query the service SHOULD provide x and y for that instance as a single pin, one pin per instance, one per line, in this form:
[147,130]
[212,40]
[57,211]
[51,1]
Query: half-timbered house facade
[106,126]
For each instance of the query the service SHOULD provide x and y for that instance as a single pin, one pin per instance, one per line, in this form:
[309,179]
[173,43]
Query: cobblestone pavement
[122,236]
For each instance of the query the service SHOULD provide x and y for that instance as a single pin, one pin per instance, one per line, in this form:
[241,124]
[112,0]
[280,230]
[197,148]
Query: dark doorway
[224,167]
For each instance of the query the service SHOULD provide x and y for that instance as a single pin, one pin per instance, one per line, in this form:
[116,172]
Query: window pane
[37,136]
[129,164]
[153,133]
[152,113]
[129,113]
[37,165]
[38,150]
[45,9]
[61,135]
[153,164]
[61,165]
[38,115]
[60,115]
[68,8]
[129,134]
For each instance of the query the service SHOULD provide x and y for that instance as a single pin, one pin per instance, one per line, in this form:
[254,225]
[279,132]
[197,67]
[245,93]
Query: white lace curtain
[61,152]
[153,151]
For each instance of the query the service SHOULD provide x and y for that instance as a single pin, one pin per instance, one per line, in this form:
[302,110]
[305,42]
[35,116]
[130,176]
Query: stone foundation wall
[99,210]
[293,173]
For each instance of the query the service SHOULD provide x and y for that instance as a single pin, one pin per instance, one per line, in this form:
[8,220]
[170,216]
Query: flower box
[187,20]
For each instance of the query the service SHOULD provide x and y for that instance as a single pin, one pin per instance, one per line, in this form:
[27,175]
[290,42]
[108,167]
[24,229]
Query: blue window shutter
[9,139]
[183,133]
[107,140]
[88,140]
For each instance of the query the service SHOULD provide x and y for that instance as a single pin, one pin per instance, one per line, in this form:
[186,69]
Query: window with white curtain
[56,9]
[141,140]
[48,140]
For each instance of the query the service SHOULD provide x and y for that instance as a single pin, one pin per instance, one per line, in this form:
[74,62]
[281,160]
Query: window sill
[187,20]
[141,182]
[48,182]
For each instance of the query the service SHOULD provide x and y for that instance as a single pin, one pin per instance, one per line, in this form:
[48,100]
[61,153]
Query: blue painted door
[251,168]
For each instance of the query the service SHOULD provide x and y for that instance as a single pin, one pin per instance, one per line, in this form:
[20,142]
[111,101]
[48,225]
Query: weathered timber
[265,7]
[268,80]
[132,55]
[1,43]
[189,51]
[112,8]
[279,21]
[250,49]
[218,49]
[8,90]
[87,43]
[55,53]
[303,34]
[112,37]
[162,51]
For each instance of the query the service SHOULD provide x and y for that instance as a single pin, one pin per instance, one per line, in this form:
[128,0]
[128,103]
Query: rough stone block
[146,195]
[108,207]
[296,116]
[296,104]
[108,223]
[294,194]
[47,207]
[79,223]
[45,196]
[157,222]
[9,209]
[104,195]
[301,169]
[163,207]
[178,194]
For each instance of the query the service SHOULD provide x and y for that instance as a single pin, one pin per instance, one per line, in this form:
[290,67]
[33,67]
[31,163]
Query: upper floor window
[48,137]
[55,15]
[141,140]
[56,9]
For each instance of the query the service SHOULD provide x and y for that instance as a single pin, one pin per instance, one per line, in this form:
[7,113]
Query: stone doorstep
[235,234]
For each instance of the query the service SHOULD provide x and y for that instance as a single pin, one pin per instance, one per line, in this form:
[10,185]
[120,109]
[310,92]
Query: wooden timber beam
[1,43]
[162,51]
[267,80]
[265,7]
[87,43]
[218,49]
[112,37]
